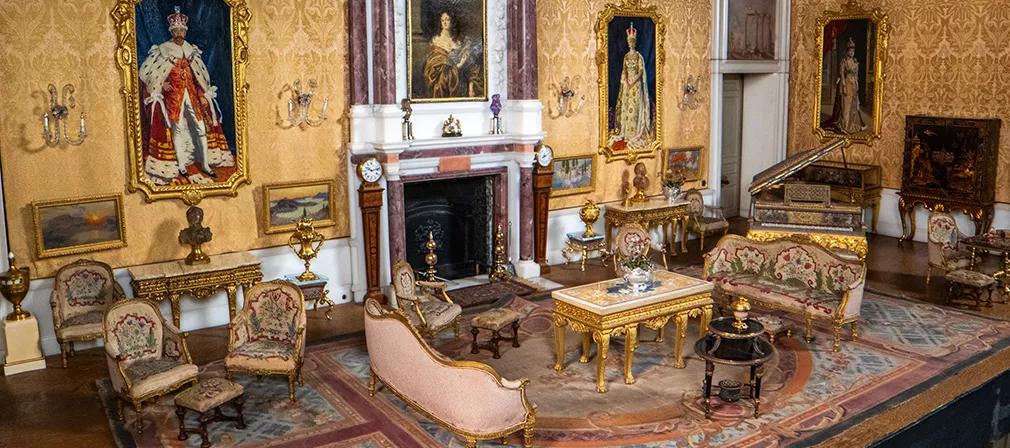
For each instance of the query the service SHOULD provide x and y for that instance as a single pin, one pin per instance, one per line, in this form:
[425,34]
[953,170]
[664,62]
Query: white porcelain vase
[671,193]
[637,279]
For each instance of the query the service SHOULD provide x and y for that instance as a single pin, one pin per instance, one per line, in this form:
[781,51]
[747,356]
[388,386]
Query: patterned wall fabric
[567,47]
[945,58]
[55,41]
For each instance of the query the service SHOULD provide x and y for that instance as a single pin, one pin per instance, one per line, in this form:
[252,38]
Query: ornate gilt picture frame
[629,58]
[446,50]
[851,52]
[574,175]
[688,159]
[185,121]
[78,225]
[286,202]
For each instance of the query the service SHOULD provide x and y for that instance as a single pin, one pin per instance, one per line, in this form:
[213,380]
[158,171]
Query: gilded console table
[651,212]
[171,279]
[980,213]
[606,309]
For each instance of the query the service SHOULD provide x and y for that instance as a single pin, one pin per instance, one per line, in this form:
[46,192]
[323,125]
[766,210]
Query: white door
[732,126]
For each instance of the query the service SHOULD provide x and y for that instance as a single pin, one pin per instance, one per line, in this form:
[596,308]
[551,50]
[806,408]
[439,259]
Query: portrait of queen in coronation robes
[633,113]
[185,143]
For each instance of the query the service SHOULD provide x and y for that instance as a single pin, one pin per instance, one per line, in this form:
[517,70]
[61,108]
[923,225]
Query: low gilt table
[658,212]
[582,245]
[315,291]
[171,279]
[606,309]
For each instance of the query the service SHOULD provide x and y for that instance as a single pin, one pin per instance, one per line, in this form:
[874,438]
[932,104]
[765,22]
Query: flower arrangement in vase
[637,267]
[673,179]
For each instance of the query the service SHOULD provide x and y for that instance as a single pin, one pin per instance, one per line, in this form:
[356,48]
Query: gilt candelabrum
[300,105]
[309,241]
[499,272]
[430,257]
[14,286]
[589,213]
[59,113]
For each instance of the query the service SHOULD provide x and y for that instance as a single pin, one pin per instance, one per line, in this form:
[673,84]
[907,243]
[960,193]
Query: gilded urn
[14,286]
[589,213]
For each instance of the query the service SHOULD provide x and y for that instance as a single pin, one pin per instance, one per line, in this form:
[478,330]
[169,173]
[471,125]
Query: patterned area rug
[810,393]
[477,295]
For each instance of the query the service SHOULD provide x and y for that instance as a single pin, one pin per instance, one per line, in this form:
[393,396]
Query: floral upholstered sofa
[791,274]
[466,397]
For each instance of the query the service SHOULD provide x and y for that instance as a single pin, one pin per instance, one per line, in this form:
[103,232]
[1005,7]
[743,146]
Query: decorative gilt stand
[653,212]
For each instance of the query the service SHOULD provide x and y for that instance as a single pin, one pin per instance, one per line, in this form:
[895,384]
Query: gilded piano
[783,207]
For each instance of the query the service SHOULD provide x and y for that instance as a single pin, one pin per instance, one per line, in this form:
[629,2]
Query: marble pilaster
[397,232]
[357,13]
[522,49]
[526,213]
[383,53]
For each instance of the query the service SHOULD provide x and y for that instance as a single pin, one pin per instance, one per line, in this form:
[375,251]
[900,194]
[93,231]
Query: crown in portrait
[632,32]
[177,20]
[851,44]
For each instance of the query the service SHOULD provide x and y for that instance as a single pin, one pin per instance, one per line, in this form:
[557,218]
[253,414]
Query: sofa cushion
[788,294]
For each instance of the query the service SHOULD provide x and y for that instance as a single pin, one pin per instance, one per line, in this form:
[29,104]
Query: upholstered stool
[971,284]
[206,395]
[494,320]
[774,326]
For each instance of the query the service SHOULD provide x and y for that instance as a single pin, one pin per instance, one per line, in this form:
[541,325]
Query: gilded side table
[171,279]
[577,244]
[654,212]
[606,309]
[314,291]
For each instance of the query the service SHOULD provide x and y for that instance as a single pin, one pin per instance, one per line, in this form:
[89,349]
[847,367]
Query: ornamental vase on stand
[637,279]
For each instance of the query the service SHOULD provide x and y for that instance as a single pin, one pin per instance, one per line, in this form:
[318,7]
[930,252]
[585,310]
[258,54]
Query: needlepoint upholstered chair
[945,250]
[630,236]
[267,336]
[702,219]
[426,305]
[82,291]
[147,356]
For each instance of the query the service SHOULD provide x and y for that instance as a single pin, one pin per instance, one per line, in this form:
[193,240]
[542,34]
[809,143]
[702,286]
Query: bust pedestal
[21,340]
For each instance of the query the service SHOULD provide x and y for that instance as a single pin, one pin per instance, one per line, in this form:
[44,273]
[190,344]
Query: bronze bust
[195,235]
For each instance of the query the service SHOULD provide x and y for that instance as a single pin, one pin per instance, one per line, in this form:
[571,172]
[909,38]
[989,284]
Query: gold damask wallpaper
[566,42]
[945,59]
[57,41]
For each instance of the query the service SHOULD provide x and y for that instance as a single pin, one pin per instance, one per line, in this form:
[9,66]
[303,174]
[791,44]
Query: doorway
[732,129]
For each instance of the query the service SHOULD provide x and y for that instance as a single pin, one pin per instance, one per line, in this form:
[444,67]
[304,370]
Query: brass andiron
[195,235]
[309,242]
[589,213]
[499,272]
[741,309]
[430,258]
[14,286]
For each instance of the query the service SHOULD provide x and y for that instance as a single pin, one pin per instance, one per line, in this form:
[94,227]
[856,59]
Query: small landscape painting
[72,226]
[573,175]
[689,159]
[284,204]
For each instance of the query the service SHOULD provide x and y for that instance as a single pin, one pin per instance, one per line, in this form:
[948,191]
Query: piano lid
[774,175]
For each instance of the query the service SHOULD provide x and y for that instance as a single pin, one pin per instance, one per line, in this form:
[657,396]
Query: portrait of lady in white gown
[631,73]
[846,106]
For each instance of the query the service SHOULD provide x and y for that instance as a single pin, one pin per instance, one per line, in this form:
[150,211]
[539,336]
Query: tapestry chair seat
[466,397]
[630,237]
[426,305]
[702,219]
[82,291]
[147,357]
[945,250]
[267,336]
[790,274]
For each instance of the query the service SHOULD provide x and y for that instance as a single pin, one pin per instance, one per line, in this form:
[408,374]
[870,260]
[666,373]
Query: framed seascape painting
[183,67]
[851,48]
[574,175]
[629,42]
[78,225]
[687,160]
[286,203]
[447,50]
[751,30]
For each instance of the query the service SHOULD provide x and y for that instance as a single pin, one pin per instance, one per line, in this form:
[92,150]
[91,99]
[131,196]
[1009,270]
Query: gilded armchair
[147,356]
[945,251]
[426,305]
[702,219]
[267,336]
[82,290]
[630,236]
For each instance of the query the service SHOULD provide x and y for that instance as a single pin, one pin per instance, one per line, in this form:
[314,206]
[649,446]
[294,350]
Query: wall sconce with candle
[299,106]
[59,112]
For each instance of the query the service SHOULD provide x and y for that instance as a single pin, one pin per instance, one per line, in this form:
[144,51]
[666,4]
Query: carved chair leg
[929,272]
[73,352]
[455,326]
[63,353]
[139,407]
[837,334]
[291,387]
[473,345]
[119,408]
[810,329]
[855,329]
[515,334]
[702,246]
[471,442]
[528,437]
[298,376]
[371,383]
[228,375]
[180,412]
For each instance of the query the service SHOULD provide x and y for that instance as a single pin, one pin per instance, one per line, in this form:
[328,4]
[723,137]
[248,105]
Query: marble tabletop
[611,296]
[656,203]
[177,268]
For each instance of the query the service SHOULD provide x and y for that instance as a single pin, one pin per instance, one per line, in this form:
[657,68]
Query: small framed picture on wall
[286,203]
[574,175]
[78,225]
[688,159]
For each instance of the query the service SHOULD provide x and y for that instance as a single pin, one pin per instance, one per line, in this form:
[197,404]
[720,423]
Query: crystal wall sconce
[300,105]
[689,97]
[59,112]
[565,94]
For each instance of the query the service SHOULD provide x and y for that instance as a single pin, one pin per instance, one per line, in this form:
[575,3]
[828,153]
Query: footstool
[203,397]
[774,326]
[495,321]
[971,284]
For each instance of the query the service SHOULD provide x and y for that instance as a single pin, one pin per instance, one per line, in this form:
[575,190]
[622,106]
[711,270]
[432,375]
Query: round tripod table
[743,347]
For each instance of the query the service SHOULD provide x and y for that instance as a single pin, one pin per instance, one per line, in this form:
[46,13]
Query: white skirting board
[333,262]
